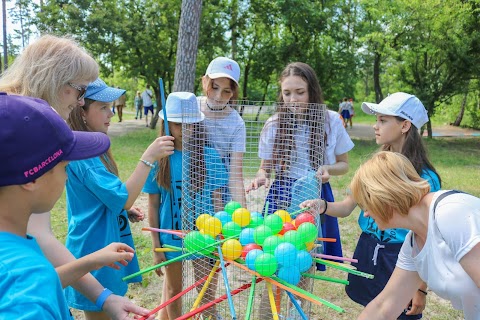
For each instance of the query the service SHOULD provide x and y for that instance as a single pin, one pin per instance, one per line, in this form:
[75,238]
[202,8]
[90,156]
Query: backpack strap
[443,195]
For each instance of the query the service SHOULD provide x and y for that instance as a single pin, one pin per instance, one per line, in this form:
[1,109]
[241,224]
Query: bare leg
[172,285]
[89,315]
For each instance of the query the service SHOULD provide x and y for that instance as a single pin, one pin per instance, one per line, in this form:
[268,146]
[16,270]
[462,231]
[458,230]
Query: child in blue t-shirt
[36,147]
[99,204]
[204,172]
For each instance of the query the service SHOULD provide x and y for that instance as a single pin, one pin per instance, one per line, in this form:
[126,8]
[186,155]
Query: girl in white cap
[225,127]
[206,173]
[399,118]
[98,201]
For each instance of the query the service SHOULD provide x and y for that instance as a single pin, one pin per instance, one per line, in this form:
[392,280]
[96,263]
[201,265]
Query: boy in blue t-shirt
[36,147]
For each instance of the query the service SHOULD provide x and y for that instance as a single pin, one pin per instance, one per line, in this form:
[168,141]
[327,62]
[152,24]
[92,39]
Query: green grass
[457,161]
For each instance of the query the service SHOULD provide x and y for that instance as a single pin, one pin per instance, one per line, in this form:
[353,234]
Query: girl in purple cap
[98,201]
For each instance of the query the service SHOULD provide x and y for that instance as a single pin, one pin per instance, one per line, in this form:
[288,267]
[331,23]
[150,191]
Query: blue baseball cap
[34,139]
[99,91]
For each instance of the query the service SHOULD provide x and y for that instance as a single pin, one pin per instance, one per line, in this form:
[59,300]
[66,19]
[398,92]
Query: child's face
[68,98]
[50,187]
[98,116]
[176,132]
[220,93]
[388,130]
[295,90]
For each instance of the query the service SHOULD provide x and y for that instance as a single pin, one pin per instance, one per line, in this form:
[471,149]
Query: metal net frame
[292,137]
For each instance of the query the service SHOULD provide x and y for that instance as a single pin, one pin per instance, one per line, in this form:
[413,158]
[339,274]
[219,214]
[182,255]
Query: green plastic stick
[166,263]
[299,211]
[250,298]
[339,267]
[317,277]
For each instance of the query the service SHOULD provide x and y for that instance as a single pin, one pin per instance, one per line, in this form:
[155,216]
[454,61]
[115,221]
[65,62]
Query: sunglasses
[81,90]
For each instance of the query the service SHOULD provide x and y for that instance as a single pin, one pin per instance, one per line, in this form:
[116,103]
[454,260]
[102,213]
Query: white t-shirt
[147,98]
[453,232]
[338,142]
[227,135]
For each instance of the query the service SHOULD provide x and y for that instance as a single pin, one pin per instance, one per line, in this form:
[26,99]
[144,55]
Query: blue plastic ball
[290,274]
[286,253]
[303,260]
[250,258]
[246,236]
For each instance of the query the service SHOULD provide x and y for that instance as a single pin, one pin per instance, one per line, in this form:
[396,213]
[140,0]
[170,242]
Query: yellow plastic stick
[205,286]
[272,301]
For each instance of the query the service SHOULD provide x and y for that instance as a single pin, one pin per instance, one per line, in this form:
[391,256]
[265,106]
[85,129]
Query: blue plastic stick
[297,306]
[227,286]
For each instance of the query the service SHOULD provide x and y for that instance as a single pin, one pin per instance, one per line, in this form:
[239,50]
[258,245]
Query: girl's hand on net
[322,174]
[316,205]
[160,148]
[158,257]
[135,215]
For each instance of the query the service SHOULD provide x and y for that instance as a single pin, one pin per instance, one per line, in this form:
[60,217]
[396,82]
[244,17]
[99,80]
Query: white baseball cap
[400,104]
[182,107]
[223,67]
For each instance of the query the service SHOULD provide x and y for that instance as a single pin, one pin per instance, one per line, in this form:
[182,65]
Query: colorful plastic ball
[256,214]
[266,264]
[286,253]
[255,221]
[310,246]
[201,219]
[294,238]
[231,229]
[213,227]
[251,256]
[194,241]
[271,243]
[231,206]
[303,260]
[246,236]
[304,217]
[290,274]
[260,233]
[287,226]
[241,216]
[249,247]
[232,249]
[308,232]
[274,222]
[223,216]
[208,246]
[284,215]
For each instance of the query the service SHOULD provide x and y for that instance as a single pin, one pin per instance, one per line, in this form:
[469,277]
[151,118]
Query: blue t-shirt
[169,215]
[96,218]
[368,225]
[29,285]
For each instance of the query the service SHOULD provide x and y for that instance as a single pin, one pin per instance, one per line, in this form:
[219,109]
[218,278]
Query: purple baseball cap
[34,139]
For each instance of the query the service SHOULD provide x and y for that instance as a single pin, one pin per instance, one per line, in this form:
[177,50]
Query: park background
[361,49]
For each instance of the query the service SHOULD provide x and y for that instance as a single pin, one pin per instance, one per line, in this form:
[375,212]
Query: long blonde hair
[387,182]
[45,66]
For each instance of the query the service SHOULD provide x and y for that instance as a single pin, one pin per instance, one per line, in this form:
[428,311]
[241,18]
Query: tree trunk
[457,121]
[376,77]
[188,33]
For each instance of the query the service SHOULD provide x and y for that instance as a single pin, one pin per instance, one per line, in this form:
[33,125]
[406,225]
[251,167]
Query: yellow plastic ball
[200,222]
[241,216]
[213,227]
[232,249]
[284,215]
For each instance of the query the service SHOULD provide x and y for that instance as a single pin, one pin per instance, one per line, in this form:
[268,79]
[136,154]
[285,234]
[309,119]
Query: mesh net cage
[290,137]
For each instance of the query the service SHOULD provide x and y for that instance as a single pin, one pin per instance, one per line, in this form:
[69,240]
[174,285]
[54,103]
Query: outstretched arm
[262,178]
[235,179]
[340,209]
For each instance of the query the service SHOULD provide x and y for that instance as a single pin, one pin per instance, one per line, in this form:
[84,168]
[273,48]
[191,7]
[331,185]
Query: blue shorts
[346,114]
[146,109]
[381,265]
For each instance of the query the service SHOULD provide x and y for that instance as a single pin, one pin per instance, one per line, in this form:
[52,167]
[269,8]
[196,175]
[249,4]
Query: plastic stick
[297,306]
[166,263]
[227,286]
[165,250]
[299,211]
[176,233]
[272,301]
[205,286]
[175,297]
[172,247]
[318,277]
[326,256]
[339,267]
[293,289]
[216,301]
[327,239]
[250,298]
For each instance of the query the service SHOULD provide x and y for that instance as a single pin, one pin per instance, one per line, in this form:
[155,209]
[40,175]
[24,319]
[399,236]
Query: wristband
[326,206]
[147,163]
[103,297]
[423,291]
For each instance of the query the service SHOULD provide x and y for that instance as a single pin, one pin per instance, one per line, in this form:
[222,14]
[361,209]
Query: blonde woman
[58,70]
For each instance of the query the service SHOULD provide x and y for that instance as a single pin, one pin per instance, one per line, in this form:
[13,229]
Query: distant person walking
[147,96]
[120,103]
[346,110]
[138,105]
